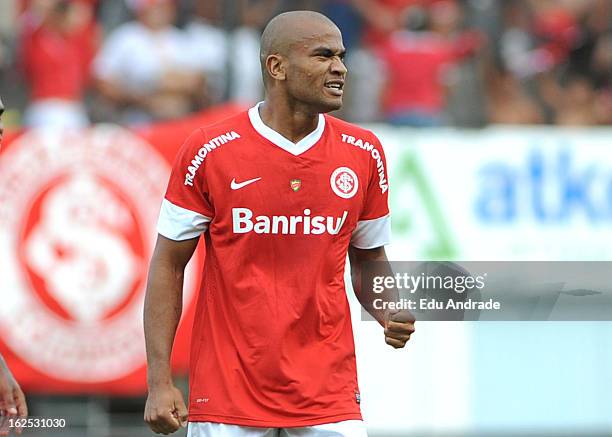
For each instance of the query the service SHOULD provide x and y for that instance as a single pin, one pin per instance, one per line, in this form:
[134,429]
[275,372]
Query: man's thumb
[389,316]
[402,317]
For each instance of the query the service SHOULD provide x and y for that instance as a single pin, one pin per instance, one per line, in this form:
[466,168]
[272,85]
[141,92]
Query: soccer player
[281,193]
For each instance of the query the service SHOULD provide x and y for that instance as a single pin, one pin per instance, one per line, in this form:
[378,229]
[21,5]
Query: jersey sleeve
[186,209]
[374,225]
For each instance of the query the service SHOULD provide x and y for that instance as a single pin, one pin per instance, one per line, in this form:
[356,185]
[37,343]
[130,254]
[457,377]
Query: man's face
[1,125]
[315,70]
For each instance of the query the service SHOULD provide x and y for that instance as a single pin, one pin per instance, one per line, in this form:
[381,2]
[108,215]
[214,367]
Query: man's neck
[292,122]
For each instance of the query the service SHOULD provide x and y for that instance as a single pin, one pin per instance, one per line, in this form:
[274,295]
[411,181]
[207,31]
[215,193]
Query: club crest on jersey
[295,184]
[344,182]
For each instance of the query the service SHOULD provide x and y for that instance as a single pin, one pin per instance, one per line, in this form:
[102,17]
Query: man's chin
[331,105]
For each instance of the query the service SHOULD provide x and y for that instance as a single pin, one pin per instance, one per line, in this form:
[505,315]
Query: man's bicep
[186,210]
[174,252]
[372,234]
[358,256]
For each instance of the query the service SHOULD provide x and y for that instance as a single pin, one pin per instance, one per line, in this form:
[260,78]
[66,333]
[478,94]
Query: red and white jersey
[273,342]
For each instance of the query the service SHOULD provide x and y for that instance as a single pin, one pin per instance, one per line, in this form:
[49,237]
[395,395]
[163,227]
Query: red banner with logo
[78,212]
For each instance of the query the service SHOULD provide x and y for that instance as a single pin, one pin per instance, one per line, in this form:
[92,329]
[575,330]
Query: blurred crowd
[411,62]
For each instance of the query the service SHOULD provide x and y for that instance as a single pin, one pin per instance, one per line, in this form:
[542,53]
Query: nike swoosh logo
[238,185]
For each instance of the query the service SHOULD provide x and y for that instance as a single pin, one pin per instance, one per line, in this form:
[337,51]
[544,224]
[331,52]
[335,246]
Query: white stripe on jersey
[370,234]
[177,223]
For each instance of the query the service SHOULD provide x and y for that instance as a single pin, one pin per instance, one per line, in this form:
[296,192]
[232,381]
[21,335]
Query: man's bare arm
[358,257]
[399,325]
[165,411]
[12,400]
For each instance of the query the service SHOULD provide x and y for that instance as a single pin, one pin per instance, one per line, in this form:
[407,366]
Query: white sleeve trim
[370,234]
[177,223]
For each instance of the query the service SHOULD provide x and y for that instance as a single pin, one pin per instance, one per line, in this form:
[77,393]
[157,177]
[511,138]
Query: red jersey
[272,342]
[56,65]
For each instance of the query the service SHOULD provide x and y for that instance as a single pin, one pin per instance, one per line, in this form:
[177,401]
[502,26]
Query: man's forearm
[162,312]
[364,292]
[366,296]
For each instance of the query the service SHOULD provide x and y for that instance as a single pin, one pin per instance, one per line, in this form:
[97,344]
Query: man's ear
[275,64]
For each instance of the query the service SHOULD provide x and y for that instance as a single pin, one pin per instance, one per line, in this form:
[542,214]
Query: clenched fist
[399,326]
[165,411]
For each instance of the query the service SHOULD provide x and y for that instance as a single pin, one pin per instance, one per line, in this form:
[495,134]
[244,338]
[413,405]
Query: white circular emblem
[77,227]
[344,182]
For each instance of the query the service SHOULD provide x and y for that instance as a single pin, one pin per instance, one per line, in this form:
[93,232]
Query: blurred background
[495,116]
[412,62]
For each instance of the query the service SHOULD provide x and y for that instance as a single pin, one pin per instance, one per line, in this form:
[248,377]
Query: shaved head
[302,62]
[287,30]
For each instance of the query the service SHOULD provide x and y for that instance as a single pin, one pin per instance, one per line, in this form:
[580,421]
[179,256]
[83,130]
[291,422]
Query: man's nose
[338,67]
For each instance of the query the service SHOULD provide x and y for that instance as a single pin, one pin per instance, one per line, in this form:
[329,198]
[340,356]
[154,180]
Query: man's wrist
[378,315]
[159,378]
[159,384]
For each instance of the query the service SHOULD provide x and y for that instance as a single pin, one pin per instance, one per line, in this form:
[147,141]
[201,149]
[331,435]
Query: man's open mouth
[335,86]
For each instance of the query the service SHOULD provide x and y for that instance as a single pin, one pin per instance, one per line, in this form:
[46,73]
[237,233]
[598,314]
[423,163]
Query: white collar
[277,139]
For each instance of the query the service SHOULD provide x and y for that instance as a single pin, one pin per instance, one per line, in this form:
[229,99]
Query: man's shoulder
[354,136]
[212,142]
[220,133]
[348,130]
[238,123]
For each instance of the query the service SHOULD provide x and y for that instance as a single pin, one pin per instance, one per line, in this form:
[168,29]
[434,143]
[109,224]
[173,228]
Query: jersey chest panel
[316,193]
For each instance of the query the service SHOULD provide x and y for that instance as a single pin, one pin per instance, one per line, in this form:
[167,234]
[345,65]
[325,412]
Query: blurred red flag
[77,227]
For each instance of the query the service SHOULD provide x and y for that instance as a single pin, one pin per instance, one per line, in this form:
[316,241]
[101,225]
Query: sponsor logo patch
[244,222]
[200,155]
[238,185]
